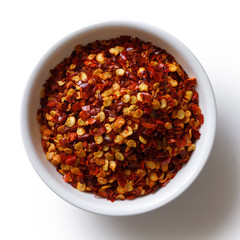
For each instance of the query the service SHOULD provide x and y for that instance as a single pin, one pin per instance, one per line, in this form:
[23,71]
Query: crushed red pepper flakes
[119,118]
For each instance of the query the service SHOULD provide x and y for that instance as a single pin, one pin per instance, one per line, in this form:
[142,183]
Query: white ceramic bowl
[31,134]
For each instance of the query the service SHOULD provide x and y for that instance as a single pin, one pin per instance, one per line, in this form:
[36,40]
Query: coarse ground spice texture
[119,118]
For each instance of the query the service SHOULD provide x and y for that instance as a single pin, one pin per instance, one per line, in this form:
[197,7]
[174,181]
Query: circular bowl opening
[31,103]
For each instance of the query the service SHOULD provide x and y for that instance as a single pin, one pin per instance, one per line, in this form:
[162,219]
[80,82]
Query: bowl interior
[32,138]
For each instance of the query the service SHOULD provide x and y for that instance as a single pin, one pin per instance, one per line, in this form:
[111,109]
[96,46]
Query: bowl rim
[25,102]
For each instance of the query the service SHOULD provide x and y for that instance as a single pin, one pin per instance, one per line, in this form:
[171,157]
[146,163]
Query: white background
[209,209]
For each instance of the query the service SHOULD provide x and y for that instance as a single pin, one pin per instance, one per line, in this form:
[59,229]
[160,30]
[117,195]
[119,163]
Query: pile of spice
[119,118]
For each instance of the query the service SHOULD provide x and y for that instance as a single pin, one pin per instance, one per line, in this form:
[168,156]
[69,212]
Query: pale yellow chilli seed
[175,102]
[119,122]
[181,125]
[142,139]
[129,186]
[156,104]
[188,113]
[118,139]
[120,197]
[119,49]
[191,148]
[106,165]
[80,122]
[168,125]
[129,122]
[180,114]
[188,96]
[172,67]
[125,98]
[109,156]
[125,111]
[163,103]
[173,82]
[105,75]
[196,123]
[174,113]
[46,133]
[113,51]
[70,121]
[98,139]
[139,97]
[49,155]
[100,58]
[155,86]
[52,113]
[107,103]
[83,76]
[101,116]
[51,148]
[56,160]
[75,78]
[164,167]
[117,94]
[51,124]
[116,50]
[63,99]
[142,191]
[60,83]
[132,108]
[68,150]
[126,132]
[157,165]
[97,72]
[98,154]
[91,56]
[141,71]
[186,120]
[141,173]
[81,153]
[105,148]
[81,186]
[169,149]
[78,146]
[116,87]
[65,167]
[133,99]
[107,92]
[59,136]
[135,126]
[80,131]
[108,128]
[138,113]
[115,149]
[150,164]
[72,66]
[75,170]
[143,87]
[111,119]
[102,181]
[119,156]
[120,72]
[154,63]
[112,165]
[121,190]
[153,176]
[127,172]
[131,143]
